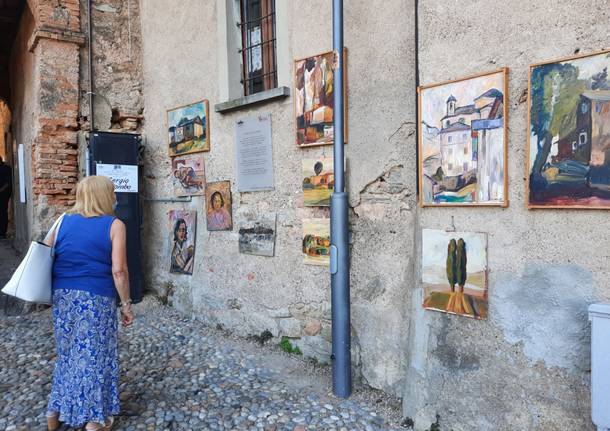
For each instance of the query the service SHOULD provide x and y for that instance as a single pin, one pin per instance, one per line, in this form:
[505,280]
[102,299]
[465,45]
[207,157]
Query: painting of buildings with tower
[569,137]
[454,272]
[462,141]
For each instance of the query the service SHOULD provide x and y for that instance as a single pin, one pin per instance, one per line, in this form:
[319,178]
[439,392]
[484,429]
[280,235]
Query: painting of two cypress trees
[454,272]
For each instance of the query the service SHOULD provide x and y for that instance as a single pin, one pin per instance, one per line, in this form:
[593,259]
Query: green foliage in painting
[451,264]
[461,274]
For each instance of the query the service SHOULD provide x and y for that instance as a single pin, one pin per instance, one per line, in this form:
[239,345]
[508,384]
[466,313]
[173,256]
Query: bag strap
[55,228]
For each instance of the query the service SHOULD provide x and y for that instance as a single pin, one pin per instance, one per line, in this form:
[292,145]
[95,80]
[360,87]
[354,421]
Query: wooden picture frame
[504,202]
[176,139]
[561,140]
[296,100]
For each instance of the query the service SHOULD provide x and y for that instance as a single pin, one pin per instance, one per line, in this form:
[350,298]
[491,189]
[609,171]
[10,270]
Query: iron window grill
[259,71]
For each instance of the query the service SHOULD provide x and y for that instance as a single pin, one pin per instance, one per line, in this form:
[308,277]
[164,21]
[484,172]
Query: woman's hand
[126,315]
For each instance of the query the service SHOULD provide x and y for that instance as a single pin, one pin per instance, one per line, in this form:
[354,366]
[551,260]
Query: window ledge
[247,101]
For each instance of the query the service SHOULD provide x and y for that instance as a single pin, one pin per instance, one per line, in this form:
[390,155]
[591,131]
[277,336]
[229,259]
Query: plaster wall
[24,84]
[251,294]
[528,366]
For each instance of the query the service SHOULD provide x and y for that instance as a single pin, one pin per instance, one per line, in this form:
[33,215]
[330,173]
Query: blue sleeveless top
[83,255]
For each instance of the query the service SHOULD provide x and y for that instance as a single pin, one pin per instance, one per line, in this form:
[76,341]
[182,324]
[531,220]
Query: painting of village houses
[188,129]
[569,137]
[454,272]
[318,181]
[313,100]
[462,139]
[316,241]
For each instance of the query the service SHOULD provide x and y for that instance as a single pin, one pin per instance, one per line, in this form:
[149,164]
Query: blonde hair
[94,197]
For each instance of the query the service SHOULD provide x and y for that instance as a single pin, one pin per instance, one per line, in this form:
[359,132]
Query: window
[258,45]
[582,138]
[448,138]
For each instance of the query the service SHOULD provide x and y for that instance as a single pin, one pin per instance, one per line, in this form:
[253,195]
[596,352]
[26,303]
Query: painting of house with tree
[454,272]
[188,129]
[462,141]
[569,137]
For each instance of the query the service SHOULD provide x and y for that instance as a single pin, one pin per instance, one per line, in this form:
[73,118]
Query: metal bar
[265,42]
[273,72]
[239,24]
[339,249]
[169,200]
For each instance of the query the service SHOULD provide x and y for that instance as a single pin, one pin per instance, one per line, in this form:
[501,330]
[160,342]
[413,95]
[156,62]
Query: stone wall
[527,367]
[117,61]
[251,294]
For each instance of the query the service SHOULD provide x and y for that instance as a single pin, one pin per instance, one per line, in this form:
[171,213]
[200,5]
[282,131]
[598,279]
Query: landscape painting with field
[318,181]
[454,272]
[462,140]
[316,241]
[569,135]
[188,129]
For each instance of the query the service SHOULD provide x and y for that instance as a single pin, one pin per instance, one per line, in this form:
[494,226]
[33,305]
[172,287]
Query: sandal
[53,423]
[96,426]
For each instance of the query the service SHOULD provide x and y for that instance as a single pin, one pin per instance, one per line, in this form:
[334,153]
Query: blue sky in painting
[190,111]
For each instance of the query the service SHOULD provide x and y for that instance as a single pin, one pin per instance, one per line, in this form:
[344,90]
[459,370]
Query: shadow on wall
[546,309]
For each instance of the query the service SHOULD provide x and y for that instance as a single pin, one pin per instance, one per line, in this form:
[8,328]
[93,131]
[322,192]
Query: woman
[90,262]
[182,255]
[218,218]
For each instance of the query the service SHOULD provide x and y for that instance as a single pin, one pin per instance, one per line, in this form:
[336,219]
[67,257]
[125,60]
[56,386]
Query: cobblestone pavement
[178,374]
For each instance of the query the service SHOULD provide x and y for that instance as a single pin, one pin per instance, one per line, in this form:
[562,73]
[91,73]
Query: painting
[218,202]
[188,129]
[182,225]
[318,181]
[568,152]
[316,241]
[454,272]
[188,173]
[463,141]
[314,99]
[257,234]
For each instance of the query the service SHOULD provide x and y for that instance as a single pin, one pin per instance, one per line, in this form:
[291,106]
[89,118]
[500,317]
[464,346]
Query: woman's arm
[120,272]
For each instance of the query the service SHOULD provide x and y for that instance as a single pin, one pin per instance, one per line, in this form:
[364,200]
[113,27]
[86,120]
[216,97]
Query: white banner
[124,177]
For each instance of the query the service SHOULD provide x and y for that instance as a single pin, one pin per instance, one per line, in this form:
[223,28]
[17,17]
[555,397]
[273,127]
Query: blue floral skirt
[86,376]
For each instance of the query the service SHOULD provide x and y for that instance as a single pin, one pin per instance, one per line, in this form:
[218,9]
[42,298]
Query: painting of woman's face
[217,201]
[181,231]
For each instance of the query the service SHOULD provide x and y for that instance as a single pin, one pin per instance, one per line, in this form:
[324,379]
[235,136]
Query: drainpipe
[89,36]
[339,249]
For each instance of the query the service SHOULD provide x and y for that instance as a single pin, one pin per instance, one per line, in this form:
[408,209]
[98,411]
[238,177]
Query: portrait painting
[182,225]
[316,241]
[318,181]
[218,204]
[188,174]
[314,99]
[463,141]
[454,272]
[188,129]
[568,154]
[257,234]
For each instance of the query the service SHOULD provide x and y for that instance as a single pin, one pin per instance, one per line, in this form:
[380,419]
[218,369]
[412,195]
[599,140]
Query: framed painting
[218,203]
[463,141]
[182,226]
[188,173]
[257,234]
[188,129]
[316,241]
[314,99]
[454,272]
[318,181]
[568,136]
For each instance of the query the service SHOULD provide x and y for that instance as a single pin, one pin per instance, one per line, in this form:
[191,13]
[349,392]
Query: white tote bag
[33,278]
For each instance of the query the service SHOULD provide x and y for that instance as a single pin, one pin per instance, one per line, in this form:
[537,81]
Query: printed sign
[124,177]
[254,156]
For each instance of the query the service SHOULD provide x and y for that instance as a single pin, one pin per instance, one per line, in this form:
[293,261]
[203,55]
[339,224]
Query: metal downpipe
[339,250]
